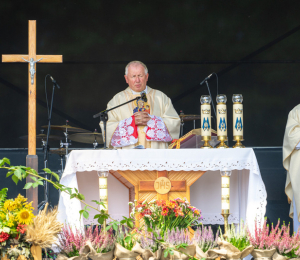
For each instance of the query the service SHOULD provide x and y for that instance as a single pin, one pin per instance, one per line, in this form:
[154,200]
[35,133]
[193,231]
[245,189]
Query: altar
[247,195]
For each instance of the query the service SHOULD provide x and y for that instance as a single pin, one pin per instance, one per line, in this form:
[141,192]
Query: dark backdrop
[181,42]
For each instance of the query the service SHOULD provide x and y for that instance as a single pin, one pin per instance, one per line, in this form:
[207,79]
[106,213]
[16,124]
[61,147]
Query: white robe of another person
[291,162]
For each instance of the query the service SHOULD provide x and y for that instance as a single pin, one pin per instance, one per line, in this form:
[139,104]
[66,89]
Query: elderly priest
[152,123]
[291,162]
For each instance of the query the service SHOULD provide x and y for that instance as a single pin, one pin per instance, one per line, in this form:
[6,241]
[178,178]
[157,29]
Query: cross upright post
[32,58]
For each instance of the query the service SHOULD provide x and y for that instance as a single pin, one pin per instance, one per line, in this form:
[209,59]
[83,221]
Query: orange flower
[161,203]
[196,212]
[165,211]
[171,204]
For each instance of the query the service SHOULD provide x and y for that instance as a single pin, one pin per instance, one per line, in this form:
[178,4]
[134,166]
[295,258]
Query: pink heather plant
[264,238]
[287,245]
[147,240]
[72,242]
[204,238]
[178,237]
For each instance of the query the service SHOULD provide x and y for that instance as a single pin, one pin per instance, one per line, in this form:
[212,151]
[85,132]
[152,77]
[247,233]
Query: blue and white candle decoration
[221,115]
[205,108]
[238,121]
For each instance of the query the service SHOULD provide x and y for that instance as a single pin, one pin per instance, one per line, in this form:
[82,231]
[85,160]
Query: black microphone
[143,96]
[207,78]
[54,81]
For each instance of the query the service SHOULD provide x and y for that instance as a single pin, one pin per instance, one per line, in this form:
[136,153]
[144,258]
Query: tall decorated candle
[238,120]
[222,120]
[205,108]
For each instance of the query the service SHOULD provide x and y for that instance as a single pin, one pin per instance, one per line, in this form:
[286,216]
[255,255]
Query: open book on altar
[193,139]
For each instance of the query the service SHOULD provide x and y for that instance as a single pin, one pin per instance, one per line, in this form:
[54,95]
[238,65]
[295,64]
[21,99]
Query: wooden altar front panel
[134,178]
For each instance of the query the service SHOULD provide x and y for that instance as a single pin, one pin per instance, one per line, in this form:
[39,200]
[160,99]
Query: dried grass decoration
[45,228]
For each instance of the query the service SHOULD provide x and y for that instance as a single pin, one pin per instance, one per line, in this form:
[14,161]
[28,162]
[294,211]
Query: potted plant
[148,246]
[263,240]
[125,241]
[206,244]
[178,239]
[287,247]
[236,243]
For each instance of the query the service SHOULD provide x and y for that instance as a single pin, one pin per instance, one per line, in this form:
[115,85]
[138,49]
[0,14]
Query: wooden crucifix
[32,58]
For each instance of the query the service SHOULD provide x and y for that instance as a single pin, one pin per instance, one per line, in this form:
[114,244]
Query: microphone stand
[46,150]
[104,117]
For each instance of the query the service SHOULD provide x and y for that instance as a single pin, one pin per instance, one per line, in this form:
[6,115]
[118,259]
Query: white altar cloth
[248,193]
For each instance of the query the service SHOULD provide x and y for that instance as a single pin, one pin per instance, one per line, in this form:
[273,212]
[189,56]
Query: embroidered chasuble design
[128,133]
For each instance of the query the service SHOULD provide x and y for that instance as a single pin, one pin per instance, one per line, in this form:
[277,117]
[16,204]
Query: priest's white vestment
[160,105]
[291,160]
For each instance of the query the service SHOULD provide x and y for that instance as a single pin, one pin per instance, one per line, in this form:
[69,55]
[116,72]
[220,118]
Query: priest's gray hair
[136,62]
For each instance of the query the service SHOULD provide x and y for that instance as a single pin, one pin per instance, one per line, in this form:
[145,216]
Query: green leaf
[150,230]
[33,178]
[56,176]
[28,185]
[115,226]
[85,214]
[40,182]
[47,170]
[108,227]
[127,239]
[166,253]
[9,173]
[3,161]
[18,173]
[15,179]
[35,184]
[130,223]
[123,221]
[72,196]
[101,220]
[80,196]
[97,216]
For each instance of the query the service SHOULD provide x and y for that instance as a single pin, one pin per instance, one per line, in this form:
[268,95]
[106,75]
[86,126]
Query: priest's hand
[141,118]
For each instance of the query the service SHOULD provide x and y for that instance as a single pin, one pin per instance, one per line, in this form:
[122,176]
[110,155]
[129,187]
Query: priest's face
[136,77]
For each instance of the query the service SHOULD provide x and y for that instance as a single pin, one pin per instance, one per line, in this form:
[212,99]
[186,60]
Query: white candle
[205,115]
[225,192]
[238,121]
[221,115]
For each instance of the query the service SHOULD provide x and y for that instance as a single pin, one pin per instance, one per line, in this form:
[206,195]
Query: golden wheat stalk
[45,228]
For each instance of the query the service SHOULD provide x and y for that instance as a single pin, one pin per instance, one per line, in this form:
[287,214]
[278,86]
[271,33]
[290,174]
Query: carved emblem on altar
[162,185]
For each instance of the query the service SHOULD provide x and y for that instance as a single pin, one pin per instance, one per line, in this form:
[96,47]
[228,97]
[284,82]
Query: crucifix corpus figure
[32,58]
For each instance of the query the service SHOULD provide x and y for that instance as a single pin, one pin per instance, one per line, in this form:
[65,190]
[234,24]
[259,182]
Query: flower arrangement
[72,241]
[167,215]
[15,216]
[204,238]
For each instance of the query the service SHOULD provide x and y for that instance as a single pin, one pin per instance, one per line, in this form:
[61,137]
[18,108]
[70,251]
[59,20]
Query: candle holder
[205,108]
[225,197]
[222,120]
[103,174]
[238,124]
